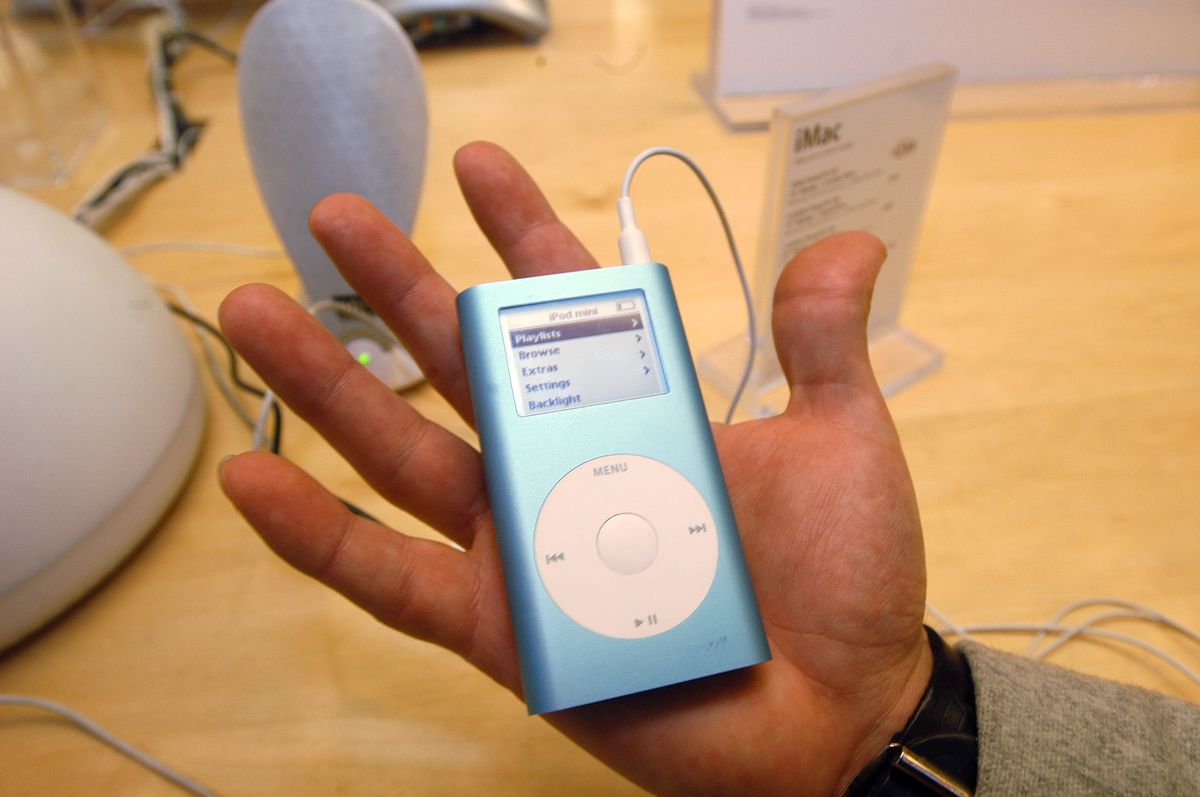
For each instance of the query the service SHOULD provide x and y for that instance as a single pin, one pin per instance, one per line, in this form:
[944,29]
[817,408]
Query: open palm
[822,496]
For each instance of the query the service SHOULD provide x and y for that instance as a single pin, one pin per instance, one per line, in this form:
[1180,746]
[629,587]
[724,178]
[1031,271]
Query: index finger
[384,267]
[416,302]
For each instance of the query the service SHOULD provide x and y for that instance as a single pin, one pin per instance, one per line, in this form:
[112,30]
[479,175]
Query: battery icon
[626,304]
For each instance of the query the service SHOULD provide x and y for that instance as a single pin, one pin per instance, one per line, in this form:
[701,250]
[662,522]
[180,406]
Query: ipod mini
[621,556]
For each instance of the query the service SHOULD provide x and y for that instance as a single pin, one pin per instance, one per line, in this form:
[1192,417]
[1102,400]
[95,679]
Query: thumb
[822,301]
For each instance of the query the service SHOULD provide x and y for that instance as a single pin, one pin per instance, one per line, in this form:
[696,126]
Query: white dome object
[103,412]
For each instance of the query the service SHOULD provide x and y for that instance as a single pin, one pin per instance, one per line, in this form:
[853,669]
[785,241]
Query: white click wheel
[626,546]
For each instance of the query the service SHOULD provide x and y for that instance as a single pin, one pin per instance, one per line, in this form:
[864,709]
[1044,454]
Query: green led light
[365,358]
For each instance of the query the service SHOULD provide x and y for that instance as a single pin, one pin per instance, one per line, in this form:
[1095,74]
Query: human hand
[824,503]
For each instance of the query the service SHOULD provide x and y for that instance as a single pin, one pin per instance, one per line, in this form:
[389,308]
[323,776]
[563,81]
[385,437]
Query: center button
[627,543]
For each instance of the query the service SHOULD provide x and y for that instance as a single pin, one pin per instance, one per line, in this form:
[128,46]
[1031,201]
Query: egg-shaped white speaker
[333,100]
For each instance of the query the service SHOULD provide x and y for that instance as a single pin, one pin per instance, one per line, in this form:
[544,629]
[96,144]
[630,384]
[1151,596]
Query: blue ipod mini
[621,557]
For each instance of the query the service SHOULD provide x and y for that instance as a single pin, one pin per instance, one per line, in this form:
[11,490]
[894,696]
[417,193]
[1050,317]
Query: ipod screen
[581,351]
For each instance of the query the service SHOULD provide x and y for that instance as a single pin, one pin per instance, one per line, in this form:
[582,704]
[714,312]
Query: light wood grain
[1055,455]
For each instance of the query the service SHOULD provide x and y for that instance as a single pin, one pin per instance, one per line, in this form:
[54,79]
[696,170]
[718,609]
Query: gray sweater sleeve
[1046,730]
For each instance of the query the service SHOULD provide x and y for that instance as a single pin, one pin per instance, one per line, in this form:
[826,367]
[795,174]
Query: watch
[937,753]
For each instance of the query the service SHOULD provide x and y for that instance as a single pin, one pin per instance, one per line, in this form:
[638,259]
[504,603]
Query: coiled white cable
[1066,632]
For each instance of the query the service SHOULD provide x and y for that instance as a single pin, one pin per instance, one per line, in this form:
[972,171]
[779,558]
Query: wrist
[898,709]
[936,752]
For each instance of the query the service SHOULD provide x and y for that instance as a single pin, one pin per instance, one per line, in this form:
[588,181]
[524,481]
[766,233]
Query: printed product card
[859,158]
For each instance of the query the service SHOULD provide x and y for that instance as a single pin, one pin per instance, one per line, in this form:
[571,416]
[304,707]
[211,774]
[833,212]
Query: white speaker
[333,100]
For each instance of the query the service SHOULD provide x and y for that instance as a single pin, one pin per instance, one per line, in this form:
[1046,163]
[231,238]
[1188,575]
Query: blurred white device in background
[103,412]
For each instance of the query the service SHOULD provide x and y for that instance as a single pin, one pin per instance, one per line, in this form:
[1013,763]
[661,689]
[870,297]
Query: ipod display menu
[580,352]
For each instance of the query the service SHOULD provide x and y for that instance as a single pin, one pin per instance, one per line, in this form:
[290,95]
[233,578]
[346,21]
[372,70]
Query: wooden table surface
[1056,454]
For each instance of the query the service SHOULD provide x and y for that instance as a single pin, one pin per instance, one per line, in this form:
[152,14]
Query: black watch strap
[937,753]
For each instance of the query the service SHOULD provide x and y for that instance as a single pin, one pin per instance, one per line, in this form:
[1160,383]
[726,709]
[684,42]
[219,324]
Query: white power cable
[1132,610]
[1067,632]
[1074,630]
[1116,614]
[241,250]
[634,249]
[258,442]
[96,731]
[952,626]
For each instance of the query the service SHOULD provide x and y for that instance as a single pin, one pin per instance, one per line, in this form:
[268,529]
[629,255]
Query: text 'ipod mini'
[621,557]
